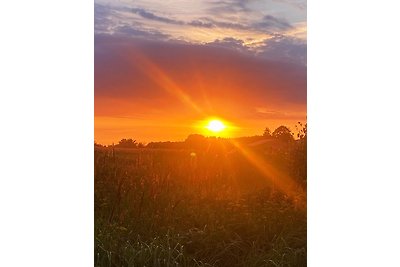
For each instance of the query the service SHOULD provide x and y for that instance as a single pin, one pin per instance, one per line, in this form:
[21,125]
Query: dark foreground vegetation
[203,205]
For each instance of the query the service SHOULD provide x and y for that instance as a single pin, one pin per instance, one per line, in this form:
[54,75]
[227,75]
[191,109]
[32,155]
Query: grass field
[186,207]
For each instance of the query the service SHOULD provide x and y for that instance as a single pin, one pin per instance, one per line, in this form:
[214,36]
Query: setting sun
[200,117]
[215,126]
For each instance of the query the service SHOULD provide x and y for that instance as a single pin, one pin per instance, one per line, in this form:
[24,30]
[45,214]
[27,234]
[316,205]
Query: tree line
[281,134]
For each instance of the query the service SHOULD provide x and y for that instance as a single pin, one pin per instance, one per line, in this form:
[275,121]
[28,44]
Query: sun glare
[215,126]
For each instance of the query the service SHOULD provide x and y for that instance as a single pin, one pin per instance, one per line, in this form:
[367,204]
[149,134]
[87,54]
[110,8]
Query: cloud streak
[151,16]
[270,22]
[267,24]
[197,26]
[272,41]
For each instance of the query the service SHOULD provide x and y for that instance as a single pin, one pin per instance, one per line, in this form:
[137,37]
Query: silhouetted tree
[301,130]
[283,133]
[267,132]
[128,143]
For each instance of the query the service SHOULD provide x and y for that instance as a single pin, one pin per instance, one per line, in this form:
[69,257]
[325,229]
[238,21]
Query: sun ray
[162,79]
[280,180]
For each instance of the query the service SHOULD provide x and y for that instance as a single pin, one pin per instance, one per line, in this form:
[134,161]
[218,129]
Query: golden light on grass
[280,179]
[215,126]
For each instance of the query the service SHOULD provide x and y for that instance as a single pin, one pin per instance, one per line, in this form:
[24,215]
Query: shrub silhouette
[127,143]
[267,132]
[283,133]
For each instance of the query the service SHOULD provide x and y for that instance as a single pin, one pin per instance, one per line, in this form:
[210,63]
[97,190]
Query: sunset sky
[162,68]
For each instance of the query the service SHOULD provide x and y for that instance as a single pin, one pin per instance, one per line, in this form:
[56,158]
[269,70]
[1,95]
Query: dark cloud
[230,43]
[201,24]
[268,24]
[218,79]
[106,16]
[284,48]
[278,48]
[231,25]
[272,23]
[151,16]
[211,23]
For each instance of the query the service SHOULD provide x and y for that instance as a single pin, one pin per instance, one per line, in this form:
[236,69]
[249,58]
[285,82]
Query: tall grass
[185,208]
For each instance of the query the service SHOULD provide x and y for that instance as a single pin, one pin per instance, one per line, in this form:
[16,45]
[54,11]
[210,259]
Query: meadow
[200,205]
